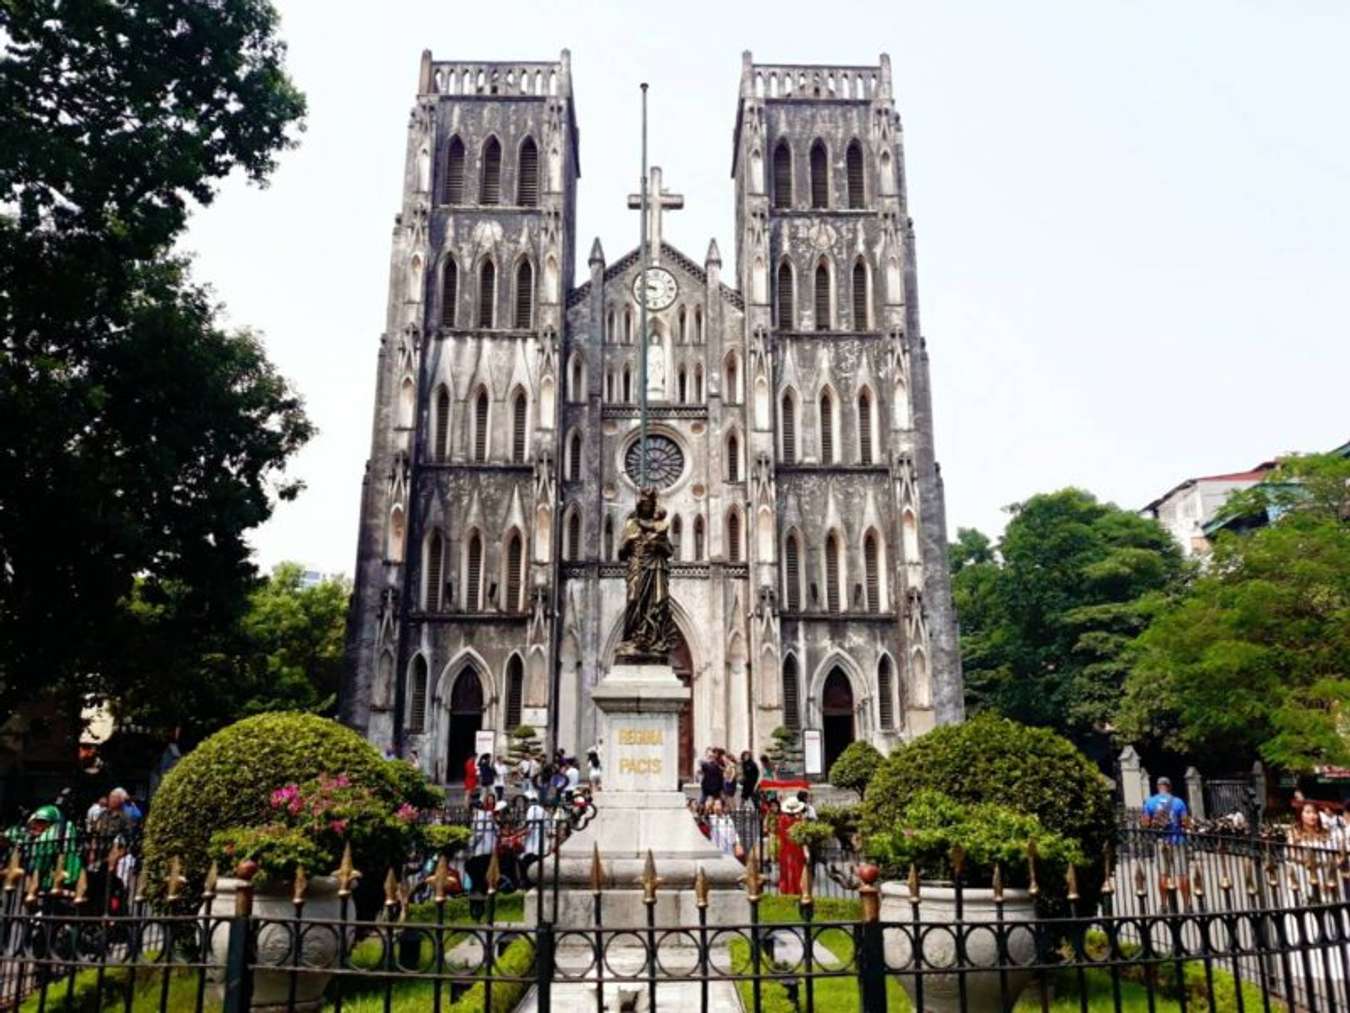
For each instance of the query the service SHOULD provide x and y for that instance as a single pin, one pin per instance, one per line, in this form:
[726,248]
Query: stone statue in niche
[656,367]
[648,630]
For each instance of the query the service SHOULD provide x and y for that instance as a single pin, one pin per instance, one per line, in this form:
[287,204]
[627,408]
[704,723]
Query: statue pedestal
[641,810]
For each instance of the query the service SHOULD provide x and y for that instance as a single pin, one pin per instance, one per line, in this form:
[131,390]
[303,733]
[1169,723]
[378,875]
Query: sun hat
[793,806]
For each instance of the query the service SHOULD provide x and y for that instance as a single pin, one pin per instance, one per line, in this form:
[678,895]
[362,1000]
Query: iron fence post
[238,977]
[871,952]
[543,959]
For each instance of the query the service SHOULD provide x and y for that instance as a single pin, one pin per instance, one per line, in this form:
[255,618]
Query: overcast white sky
[1133,219]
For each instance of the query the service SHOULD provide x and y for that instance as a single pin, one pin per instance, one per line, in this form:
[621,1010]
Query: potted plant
[292,857]
[949,850]
[813,835]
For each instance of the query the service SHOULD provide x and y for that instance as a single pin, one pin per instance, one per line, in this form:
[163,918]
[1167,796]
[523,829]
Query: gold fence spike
[440,880]
[1251,882]
[913,883]
[1033,887]
[34,885]
[958,857]
[998,883]
[175,880]
[808,881]
[752,879]
[1071,880]
[650,881]
[1109,887]
[1197,880]
[701,888]
[115,855]
[404,895]
[347,873]
[390,888]
[1140,883]
[494,873]
[82,887]
[597,870]
[212,877]
[301,885]
[13,871]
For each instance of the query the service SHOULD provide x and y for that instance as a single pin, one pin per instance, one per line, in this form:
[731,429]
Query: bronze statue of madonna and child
[648,630]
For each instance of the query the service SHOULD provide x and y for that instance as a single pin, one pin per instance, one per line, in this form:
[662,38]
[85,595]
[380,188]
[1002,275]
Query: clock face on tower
[658,286]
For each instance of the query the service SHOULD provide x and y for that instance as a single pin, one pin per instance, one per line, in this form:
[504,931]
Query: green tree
[1045,625]
[141,440]
[1254,657]
[285,652]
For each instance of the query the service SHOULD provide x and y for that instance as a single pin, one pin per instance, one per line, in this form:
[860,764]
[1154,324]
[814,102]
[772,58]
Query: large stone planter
[939,932]
[272,908]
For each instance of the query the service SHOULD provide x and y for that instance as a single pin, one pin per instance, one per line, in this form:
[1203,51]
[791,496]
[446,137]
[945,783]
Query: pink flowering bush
[310,824]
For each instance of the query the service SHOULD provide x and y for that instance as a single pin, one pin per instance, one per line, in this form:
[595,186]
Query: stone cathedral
[790,432]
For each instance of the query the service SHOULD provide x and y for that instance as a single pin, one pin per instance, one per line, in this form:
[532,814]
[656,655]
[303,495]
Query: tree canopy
[1254,656]
[141,439]
[1045,623]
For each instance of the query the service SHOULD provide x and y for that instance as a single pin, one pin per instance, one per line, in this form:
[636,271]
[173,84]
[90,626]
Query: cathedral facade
[789,433]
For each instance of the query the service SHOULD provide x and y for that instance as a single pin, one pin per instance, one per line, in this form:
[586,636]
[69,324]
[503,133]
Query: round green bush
[855,766]
[227,782]
[992,759]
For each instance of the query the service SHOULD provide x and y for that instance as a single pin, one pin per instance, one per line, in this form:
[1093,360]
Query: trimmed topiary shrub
[855,766]
[992,759]
[228,780]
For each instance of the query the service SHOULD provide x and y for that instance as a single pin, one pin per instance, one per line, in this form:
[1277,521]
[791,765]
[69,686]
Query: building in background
[791,436]
[1186,508]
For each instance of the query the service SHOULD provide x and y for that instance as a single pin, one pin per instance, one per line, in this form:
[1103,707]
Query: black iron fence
[1186,921]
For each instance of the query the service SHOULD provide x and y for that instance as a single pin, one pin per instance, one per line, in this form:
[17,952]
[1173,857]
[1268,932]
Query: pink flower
[342,781]
[338,826]
[285,796]
[406,812]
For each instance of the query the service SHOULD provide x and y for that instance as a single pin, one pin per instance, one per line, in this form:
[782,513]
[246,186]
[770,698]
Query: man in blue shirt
[1164,811]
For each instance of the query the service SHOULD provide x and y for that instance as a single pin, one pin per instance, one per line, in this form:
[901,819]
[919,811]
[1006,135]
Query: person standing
[1164,811]
[593,764]
[749,778]
[710,778]
[482,845]
[470,780]
[791,855]
[500,772]
[487,774]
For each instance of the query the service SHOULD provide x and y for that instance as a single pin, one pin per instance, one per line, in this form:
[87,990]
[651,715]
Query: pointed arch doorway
[836,710]
[466,718]
[682,661]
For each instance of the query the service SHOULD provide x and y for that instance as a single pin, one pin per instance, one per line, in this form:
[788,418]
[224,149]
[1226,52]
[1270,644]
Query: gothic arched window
[820,176]
[609,538]
[885,694]
[832,573]
[524,296]
[856,194]
[574,458]
[519,414]
[872,572]
[578,384]
[433,584]
[732,393]
[792,715]
[698,538]
[440,445]
[826,428]
[822,297]
[864,426]
[733,537]
[515,575]
[487,294]
[733,458]
[786,299]
[683,385]
[449,293]
[782,175]
[788,420]
[480,426]
[452,190]
[698,383]
[792,571]
[473,582]
[527,175]
[859,296]
[417,698]
[676,536]
[515,691]
[490,190]
[574,535]
[627,384]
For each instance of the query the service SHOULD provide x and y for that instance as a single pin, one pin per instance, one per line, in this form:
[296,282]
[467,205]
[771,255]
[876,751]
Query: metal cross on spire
[657,201]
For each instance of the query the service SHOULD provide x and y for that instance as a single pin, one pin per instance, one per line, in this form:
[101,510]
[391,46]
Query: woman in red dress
[791,855]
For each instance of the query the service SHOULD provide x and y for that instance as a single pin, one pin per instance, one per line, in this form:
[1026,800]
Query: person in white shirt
[528,771]
[482,844]
[502,771]
[573,775]
[722,828]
